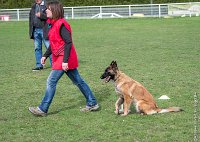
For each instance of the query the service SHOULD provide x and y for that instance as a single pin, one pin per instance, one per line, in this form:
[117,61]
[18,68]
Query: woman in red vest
[64,60]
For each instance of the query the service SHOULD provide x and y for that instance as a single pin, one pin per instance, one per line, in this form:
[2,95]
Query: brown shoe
[36,111]
[90,108]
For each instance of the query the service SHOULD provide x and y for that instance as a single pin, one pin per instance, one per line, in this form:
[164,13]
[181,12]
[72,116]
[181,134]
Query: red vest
[57,46]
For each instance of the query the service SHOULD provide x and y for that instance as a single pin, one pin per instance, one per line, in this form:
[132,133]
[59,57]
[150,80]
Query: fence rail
[113,11]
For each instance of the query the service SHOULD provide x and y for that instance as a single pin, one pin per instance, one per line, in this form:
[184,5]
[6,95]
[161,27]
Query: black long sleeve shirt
[66,36]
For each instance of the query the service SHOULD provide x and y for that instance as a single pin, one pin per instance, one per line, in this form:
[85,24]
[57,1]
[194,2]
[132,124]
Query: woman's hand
[43,60]
[65,66]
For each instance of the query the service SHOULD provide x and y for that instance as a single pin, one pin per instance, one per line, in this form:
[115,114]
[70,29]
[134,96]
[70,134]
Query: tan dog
[131,91]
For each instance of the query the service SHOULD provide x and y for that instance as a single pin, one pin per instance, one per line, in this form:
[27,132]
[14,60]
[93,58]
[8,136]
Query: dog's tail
[170,109]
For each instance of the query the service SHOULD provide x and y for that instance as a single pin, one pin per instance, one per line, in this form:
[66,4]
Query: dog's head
[110,72]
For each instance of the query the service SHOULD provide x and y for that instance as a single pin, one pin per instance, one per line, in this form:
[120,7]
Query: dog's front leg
[127,103]
[118,103]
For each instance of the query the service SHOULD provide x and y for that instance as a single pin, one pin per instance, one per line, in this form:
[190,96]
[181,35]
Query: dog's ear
[114,64]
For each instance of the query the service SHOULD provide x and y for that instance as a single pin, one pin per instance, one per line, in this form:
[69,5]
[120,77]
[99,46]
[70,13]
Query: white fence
[113,11]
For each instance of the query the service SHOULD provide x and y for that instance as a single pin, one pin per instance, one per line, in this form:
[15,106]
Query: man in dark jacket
[38,30]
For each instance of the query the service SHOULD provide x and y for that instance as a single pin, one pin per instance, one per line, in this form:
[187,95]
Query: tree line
[8,4]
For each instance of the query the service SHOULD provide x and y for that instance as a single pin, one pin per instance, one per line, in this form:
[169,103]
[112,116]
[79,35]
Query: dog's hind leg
[146,109]
[118,103]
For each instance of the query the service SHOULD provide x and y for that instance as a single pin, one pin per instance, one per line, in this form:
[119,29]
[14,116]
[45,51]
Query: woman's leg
[52,80]
[81,84]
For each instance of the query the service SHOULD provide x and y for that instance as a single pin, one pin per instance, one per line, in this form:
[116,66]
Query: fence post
[129,10]
[17,14]
[72,13]
[100,14]
[190,10]
[159,10]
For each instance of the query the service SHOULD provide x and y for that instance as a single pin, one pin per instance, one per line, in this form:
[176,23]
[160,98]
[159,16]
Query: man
[38,30]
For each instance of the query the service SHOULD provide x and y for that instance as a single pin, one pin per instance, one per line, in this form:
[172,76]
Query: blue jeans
[38,38]
[52,80]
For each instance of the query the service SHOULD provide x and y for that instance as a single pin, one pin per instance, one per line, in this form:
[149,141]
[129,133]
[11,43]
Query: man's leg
[47,45]
[38,49]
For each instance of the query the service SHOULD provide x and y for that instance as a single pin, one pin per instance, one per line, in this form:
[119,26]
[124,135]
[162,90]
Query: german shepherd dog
[131,91]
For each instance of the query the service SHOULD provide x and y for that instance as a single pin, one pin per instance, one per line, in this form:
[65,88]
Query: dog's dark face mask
[110,72]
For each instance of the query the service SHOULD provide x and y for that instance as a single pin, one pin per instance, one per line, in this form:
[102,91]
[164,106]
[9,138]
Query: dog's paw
[116,112]
[121,111]
[123,114]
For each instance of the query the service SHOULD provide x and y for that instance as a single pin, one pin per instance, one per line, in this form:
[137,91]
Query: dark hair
[56,9]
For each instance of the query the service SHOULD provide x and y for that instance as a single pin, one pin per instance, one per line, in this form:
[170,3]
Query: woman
[64,60]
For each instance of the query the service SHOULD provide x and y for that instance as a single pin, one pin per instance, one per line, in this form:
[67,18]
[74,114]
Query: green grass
[162,54]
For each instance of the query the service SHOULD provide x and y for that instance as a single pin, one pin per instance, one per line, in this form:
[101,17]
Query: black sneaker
[37,69]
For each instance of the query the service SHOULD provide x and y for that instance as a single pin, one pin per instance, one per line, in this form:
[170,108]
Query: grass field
[162,54]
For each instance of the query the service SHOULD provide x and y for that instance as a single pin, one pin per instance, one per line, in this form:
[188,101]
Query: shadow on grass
[103,93]
[62,109]
[47,67]
[2,119]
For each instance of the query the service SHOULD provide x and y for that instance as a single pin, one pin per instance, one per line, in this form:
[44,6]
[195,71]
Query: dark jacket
[43,19]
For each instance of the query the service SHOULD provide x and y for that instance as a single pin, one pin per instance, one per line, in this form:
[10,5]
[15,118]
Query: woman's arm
[47,53]
[66,36]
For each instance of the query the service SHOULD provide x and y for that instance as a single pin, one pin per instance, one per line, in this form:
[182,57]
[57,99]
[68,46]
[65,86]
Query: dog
[131,91]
